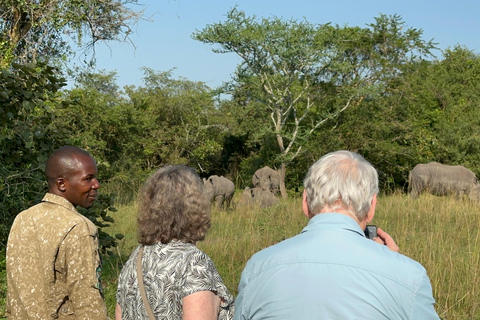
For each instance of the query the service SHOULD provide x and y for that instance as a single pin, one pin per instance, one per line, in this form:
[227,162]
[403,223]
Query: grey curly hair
[173,205]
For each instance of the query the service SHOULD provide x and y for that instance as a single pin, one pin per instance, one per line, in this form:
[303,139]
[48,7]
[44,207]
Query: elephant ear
[211,180]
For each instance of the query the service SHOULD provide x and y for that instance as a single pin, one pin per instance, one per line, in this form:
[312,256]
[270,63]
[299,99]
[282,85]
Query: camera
[371,231]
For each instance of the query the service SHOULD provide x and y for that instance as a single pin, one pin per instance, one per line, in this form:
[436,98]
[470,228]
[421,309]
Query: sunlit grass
[441,233]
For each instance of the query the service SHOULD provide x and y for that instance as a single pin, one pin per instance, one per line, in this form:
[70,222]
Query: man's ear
[371,212]
[306,209]
[61,184]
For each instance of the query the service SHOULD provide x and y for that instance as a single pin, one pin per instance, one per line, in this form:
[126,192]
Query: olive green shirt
[53,264]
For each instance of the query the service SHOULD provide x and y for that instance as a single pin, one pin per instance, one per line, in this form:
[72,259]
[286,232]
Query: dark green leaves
[27,137]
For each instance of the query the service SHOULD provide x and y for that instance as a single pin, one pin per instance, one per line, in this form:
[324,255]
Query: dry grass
[441,233]
[236,235]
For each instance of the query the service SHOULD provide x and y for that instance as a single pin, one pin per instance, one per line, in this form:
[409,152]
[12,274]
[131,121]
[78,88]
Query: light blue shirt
[331,271]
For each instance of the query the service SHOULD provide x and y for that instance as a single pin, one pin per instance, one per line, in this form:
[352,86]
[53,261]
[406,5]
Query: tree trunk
[281,172]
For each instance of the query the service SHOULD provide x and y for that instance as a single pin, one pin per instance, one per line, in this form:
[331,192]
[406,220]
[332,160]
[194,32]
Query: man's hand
[385,239]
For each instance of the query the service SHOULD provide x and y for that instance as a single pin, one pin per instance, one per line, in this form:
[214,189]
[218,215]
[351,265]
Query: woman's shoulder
[176,249]
[190,252]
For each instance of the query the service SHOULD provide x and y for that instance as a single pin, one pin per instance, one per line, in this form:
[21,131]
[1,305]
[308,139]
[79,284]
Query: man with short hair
[53,263]
[331,270]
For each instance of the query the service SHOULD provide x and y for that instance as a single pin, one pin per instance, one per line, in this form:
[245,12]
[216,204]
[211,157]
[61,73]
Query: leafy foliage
[28,98]
[177,116]
[39,30]
[453,99]
[134,132]
[98,213]
[427,114]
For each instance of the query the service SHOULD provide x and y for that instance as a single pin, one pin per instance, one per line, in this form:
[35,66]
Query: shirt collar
[333,220]
[61,201]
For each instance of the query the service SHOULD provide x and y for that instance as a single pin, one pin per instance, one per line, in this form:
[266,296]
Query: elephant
[442,180]
[267,179]
[219,190]
[257,196]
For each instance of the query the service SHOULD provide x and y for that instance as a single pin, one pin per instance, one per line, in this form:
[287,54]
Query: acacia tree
[306,74]
[31,29]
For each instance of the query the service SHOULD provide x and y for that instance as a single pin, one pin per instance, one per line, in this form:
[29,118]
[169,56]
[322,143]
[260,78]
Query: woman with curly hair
[167,276]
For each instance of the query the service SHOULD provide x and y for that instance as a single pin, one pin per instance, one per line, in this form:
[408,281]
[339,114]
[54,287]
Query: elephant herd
[266,183]
[433,177]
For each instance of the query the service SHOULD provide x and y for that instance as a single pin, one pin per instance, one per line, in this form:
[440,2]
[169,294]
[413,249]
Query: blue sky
[165,43]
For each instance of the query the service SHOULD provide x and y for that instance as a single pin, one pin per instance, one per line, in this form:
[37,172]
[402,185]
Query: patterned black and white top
[170,272]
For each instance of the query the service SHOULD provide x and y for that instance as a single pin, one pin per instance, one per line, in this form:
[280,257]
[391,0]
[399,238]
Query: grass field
[443,234]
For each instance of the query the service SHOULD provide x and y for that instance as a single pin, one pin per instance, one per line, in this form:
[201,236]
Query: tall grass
[441,233]
[236,235]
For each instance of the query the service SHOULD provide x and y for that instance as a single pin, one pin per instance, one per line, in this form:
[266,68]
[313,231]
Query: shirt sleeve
[82,269]
[423,308]
[201,275]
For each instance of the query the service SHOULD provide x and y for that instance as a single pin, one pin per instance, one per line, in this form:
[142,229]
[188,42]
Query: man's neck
[346,212]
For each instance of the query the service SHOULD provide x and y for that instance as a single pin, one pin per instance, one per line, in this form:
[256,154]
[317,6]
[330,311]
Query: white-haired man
[331,270]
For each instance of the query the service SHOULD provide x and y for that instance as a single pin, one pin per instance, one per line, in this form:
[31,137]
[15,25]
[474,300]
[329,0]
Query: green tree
[134,131]
[178,122]
[102,120]
[440,100]
[28,98]
[32,30]
[455,97]
[305,74]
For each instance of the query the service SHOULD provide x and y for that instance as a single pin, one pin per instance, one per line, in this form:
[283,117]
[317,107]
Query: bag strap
[151,316]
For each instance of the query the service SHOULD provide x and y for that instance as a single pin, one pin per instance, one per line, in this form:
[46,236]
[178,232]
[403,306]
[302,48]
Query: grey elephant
[219,190]
[267,179]
[442,180]
[258,197]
